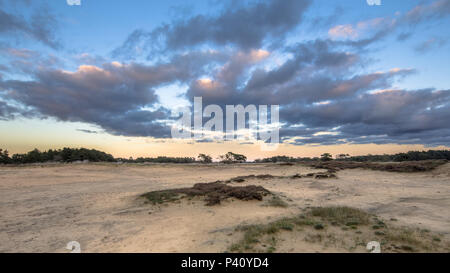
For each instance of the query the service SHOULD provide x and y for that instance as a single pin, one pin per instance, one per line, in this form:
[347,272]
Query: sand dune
[42,208]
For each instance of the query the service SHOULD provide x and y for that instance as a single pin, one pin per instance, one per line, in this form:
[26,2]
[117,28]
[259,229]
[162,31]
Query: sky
[348,77]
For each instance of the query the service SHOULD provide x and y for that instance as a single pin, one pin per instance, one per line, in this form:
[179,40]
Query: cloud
[7,112]
[433,43]
[404,36]
[435,10]
[87,131]
[246,26]
[40,26]
[227,77]
[25,61]
[385,117]
[316,72]
[318,88]
[326,92]
[120,98]
[343,31]
[366,32]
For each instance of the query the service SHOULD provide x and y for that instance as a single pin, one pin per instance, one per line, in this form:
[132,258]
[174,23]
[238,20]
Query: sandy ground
[42,208]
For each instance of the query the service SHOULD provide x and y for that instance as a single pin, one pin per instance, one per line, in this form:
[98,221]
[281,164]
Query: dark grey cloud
[321,88]
[40,26]
[120,98]
[206,140]
[376,29]
[314,56]
[7,112]
[317,72]
[87,131]
[406,110]
[246,26]
[395,116]
[318,89]
[25,61]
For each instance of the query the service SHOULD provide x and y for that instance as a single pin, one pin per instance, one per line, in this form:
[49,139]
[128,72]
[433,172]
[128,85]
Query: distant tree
[279,158]
[18,158]
[160,159]
[231,157]
[204,158]
[4,157]
[64,155]
[71,154]
[326,157]
[342,156]
[409,156]
[34,156]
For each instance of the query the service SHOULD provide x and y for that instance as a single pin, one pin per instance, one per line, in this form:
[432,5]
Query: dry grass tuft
[324,225]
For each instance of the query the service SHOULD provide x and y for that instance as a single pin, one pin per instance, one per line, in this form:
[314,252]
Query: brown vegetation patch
[318,175]
[407,166]
[240,179]
[321,175]
[325,175]
[286,164]
[213,192]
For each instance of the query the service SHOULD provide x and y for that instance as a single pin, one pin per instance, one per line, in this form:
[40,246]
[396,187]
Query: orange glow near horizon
[24,136]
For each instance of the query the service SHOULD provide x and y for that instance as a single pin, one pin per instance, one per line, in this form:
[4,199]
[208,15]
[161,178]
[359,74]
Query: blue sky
[379,73]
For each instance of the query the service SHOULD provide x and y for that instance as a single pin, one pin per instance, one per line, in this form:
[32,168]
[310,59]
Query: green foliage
[81,154]
[276,201]
[160,159]
[409,156]
[342,156]
[283,158]
[64,155]
[342,215]
[159,197]
[4,157]
[326,157]
[231,157]
[204,158]
[319,225]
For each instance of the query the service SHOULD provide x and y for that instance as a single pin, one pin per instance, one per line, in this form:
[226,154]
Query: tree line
[229,157]
[409,156]
[61,155]
[92,155]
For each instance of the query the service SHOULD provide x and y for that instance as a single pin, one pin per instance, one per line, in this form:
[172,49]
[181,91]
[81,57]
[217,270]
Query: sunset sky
[349,77]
